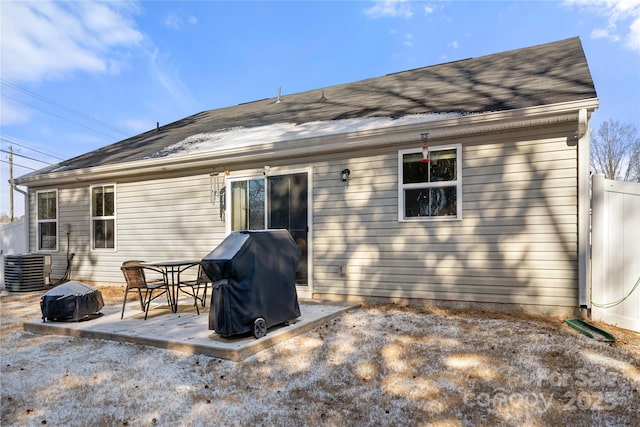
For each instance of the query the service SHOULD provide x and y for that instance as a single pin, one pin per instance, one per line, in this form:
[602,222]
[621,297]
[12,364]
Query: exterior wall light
[344,175]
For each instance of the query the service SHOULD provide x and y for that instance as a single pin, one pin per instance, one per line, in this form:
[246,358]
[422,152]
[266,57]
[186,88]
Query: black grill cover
[253,275]
[71,301]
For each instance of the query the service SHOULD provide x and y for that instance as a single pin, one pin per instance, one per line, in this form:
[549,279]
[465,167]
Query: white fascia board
[475,123]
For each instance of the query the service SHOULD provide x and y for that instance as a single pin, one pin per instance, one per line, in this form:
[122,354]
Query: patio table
[171,271]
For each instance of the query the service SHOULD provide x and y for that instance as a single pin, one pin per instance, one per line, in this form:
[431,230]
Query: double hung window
[103,219]
[430,183]
[47,218]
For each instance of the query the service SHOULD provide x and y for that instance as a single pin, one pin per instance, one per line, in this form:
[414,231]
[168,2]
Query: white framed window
[430,183]
[47,220]
[103,217]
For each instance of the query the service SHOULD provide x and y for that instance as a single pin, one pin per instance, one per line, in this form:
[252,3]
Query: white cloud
[623,20]
[45,40]
[167,74]
[408,39]
[390,9]
[633,39]
[174,22]
[107,25]
[600,33]
[49,40]
[13,113]
[454,44]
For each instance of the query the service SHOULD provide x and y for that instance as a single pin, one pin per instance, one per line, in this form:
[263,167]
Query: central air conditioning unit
[28,272]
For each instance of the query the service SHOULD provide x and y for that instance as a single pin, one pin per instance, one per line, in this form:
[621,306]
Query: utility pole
[10,183]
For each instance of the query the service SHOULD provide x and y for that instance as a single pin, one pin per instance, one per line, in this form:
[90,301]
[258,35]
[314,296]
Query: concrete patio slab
[186,331]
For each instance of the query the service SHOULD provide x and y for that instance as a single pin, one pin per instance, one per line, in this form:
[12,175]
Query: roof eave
[388,136]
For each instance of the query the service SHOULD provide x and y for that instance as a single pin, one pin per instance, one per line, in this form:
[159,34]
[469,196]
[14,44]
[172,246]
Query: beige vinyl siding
[516,243]
[155,219]
[72,209]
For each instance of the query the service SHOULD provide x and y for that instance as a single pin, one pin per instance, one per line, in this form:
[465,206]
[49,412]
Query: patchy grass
[376,365]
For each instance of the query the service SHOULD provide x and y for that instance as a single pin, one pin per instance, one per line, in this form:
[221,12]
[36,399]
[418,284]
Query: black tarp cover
[253,275]
[71,301]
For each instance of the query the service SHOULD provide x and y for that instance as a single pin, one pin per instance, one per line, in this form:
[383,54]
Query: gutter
[584,210]
[336,143]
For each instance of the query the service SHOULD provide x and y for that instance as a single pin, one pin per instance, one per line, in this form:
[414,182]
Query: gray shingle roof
[540,75]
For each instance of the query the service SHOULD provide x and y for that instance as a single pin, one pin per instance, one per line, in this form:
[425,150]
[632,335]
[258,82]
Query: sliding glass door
[279,202]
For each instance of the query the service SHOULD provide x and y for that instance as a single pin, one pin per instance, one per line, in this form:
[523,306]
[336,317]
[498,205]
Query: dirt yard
[378,365]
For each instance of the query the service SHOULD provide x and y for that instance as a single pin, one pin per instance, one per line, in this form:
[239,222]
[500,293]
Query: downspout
[26,215]
[584,212]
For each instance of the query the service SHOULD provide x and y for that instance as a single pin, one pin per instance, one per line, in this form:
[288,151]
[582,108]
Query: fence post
[598,254]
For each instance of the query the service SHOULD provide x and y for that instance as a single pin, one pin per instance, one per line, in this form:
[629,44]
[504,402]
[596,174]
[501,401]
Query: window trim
[457,183]
[113,217]
[39,221]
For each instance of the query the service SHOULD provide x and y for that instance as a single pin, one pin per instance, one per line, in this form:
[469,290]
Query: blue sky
[77,76]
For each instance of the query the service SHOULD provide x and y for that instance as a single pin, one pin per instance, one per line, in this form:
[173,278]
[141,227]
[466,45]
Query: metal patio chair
[136,281]
[201,282]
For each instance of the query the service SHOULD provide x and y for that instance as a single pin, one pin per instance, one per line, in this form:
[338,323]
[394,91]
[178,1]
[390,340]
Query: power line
[58,116]
[25,157]
[20,166]
[30,148]
[63,107]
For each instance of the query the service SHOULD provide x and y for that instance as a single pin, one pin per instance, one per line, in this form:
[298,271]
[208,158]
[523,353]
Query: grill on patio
[253,275]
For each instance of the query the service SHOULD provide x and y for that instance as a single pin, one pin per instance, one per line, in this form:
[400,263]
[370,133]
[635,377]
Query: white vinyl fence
[615,259]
